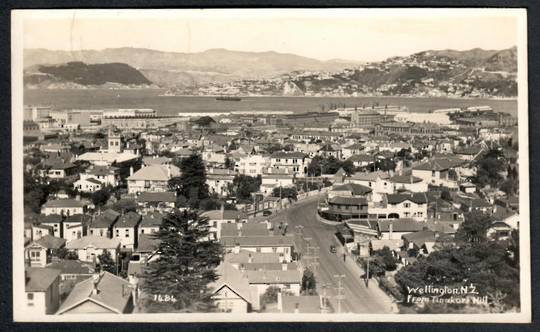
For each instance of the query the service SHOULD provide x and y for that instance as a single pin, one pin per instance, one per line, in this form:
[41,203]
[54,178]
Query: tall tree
[192,182]
[474,228]
[106,262]
[185,266]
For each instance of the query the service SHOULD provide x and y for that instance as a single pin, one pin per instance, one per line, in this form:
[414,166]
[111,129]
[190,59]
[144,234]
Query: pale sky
[365,35]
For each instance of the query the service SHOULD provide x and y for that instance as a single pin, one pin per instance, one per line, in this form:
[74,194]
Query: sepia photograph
[243,165]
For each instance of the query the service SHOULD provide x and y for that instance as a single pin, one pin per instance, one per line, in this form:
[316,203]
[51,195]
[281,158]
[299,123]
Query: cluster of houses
[398,208]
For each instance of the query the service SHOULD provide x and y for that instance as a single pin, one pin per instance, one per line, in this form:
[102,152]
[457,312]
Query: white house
[153,178]
[88,185]
[63,207]
[290,162]
[88,248]
[125,229]
[252,165]
[378,181]
[409,183]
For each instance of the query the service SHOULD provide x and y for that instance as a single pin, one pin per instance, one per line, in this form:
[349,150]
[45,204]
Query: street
[314,244]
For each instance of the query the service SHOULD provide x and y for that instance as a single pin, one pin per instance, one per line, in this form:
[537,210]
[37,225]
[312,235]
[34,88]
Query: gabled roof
[130,219]
[50,219]
[95,241]
[51,242]
[39,279]
[418,198]
[152,219]
[155,173]
[232,278]
[361,158]
[113,293]
[421,237]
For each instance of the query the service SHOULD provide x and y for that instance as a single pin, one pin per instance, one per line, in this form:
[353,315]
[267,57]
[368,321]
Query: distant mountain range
[173,68]
[432,72]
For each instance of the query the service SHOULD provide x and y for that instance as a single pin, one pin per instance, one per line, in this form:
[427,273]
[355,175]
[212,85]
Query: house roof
[69,266]
[274,277]
[232,278]
[155,173]
[153,160]
[167,196]
[113,293]
[244,257]
[226,215]
[147,243]
[257,241]
[343,200]
[229,230]
[392,244]
[50,219]
[418,198]
[288,155]
[438,164]
[92,180]
[39,279]
[355,189]
[102,170]
[420,238]
[361,158]
[77,218]
[401,225]
[93,240]
[254,229]
[64,203]
[405,179]
[152,219]
[51,242]
[369,176]
[306,304]
[130,219]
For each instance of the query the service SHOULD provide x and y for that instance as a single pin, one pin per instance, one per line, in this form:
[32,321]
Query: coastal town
[351,209]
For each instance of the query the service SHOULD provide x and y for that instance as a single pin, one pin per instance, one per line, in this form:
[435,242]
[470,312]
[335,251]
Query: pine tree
[192,183]
[178,279]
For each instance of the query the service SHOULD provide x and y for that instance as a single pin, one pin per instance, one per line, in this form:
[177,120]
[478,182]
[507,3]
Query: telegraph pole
[339,290]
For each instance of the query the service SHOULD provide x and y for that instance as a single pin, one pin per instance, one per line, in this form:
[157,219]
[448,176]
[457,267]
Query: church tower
[114,142]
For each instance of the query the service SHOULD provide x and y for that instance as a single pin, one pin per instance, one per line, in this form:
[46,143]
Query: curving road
[357,297]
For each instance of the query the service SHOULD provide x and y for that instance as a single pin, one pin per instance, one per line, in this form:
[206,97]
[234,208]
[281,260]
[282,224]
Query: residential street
[357,298]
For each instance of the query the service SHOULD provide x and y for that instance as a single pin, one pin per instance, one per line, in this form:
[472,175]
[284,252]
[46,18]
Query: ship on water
[228,98]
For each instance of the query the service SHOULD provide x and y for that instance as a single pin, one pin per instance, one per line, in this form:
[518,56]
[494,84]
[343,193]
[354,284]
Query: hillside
[199,67]
[469,73]
[81,74]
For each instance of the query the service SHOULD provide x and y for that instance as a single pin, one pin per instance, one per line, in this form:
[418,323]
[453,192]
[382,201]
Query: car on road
[333,249]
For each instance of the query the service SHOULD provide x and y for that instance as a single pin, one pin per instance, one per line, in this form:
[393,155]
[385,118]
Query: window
[142,231]
[407,205]
[30,296]
[258,249]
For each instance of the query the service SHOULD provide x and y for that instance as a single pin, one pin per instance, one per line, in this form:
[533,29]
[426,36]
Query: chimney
[130,170]
[390,230]
[95,282]
[222,211]
[284,266]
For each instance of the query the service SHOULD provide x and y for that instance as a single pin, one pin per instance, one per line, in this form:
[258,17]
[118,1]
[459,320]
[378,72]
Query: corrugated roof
[93,240]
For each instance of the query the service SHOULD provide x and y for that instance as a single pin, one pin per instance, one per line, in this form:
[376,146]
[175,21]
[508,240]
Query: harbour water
[172,105]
